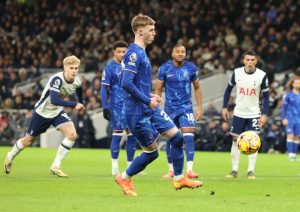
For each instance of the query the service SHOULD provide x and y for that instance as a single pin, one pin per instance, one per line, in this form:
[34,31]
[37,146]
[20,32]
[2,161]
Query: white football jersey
[248,88]
[57,83]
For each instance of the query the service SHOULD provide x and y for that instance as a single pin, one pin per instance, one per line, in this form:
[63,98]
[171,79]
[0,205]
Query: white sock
[17,148]
[178,177]
[235,156]
[62,152]
[291,155]
[189,166]
[129,163]
[125,175]
[171,167]
[252,161]
[114,167]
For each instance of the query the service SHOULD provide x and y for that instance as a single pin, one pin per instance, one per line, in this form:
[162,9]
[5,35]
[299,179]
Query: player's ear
[140,32]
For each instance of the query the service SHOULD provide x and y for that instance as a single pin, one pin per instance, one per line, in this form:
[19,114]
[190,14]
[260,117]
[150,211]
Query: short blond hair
[141,20]
[71,60]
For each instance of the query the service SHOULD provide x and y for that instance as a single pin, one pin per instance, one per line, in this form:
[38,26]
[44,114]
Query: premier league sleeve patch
[56,84]
[132,59]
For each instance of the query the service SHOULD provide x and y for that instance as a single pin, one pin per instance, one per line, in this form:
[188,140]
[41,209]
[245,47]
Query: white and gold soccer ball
[248,142]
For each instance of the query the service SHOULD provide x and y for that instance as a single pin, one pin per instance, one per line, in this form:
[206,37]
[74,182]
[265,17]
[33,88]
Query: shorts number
[255,123]
[66,116]
[190,116]
[166,117]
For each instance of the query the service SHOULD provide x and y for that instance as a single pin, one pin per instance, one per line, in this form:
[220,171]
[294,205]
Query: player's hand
[285,122]
[154,102]
[198,114]
[106,114]
[225,114]
[79,107]
[263,120]
[158,98]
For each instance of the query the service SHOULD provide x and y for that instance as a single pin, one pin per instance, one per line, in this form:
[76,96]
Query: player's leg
[115,150]
[145,133]
[293,141]
[22,143]
[63,123]
[289,146]
[295,146]
[170,173]
[187,125]
[166,127]
[252,125]
[238,126]
[117,124]
[130,147]
[290,139]
[37,125]
[189,141]
[176,140]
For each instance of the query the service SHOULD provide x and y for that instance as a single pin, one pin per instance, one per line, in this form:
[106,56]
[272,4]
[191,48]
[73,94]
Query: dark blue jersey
[177,81]
[111,77]
[136,80]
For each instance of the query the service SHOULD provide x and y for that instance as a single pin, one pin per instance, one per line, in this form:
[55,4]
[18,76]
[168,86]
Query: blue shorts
[117,119]
[38,124]
[183,119]
[240,125]
[146,128]
[293,128]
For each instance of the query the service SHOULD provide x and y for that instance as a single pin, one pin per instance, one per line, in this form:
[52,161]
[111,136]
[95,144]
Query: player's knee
[177,140]
[71,136]
[27,141]
[188,130]
[152,155]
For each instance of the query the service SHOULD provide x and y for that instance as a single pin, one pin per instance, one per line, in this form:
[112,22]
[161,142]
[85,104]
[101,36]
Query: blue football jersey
[135,61]
[177,81]
[291,106]
[111,77]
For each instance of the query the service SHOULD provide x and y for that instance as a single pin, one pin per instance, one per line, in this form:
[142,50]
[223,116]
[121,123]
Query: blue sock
[295,147]
[168,152]
[189,146]
[177,153]
[130,147]
[140,162]
[115,146]
[289,146]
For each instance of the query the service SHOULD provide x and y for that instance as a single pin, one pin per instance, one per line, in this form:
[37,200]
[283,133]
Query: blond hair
[71,60]
[141,20]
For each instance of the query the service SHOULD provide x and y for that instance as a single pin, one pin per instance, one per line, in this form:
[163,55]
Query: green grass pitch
[90,186]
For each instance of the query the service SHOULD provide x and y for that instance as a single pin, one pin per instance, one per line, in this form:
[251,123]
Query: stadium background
[36,35]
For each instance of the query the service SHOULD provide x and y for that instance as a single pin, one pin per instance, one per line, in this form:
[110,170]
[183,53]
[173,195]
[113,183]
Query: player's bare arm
[225,114]
[285,122]
[198,95]
[263,120]
[159,87]
[79,107]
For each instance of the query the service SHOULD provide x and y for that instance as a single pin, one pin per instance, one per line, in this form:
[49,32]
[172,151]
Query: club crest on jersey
[248,91]
[132,59]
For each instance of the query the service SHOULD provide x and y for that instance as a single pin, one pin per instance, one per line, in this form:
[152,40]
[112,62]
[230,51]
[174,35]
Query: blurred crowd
[37,35]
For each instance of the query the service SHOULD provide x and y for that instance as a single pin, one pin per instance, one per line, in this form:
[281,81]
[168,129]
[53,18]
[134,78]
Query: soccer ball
[248,142]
